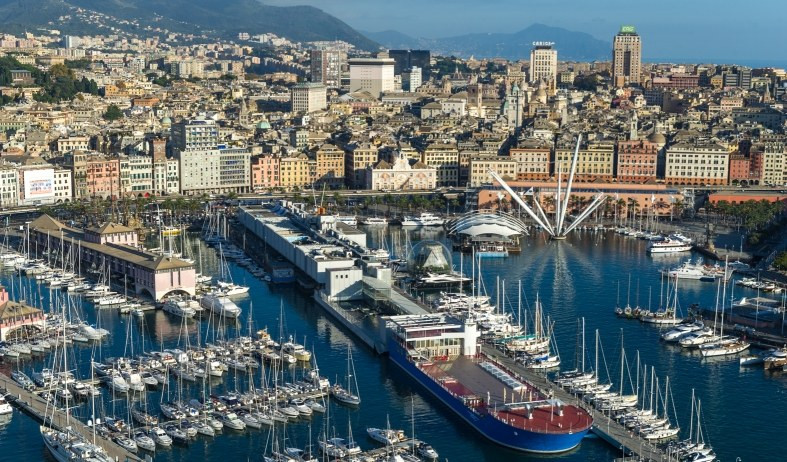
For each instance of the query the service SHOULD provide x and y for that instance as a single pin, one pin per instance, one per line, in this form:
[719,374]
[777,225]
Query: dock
[629,443]
[36,407]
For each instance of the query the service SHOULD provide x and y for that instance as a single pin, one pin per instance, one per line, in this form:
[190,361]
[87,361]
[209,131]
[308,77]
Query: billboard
[39,184]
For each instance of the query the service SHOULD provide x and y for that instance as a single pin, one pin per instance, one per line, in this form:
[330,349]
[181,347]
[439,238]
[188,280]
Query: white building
[412,79]
[543,63]
[400,176]
[308,97]
[219,170]
[374,75]
[63,192]
[9,186]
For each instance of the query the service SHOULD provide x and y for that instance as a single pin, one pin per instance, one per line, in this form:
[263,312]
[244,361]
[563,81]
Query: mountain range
[571,45]
[223,18]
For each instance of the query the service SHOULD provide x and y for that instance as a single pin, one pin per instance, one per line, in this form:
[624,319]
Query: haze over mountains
[225,18]
[570,45]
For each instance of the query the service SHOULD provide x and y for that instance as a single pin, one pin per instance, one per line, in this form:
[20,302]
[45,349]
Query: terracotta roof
[14,309]
[46,223]
[111,228]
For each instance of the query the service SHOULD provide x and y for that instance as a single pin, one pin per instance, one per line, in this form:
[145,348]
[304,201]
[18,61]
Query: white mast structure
[559,229]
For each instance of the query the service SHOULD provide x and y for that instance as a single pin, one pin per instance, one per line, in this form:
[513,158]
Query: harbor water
[742,407]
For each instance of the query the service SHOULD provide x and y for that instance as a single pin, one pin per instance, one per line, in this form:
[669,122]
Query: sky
[670,29]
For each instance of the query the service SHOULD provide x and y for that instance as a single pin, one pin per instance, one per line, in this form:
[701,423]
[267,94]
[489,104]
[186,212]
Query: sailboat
[726,345]
[349,395]
[69,445]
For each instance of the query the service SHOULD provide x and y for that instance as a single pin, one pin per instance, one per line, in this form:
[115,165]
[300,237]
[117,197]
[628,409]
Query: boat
[143,441]
[348,220]
[349,395]
[689,271]
[424,219]
[680,331]
[176,434]
[179,307]
[126,443]
[160,436]
[231,289]
[231,420]
[472,387]
[374,221]
[5,408]
[668,246]
[70,446]
[436,280]
[776,360]
[220,304]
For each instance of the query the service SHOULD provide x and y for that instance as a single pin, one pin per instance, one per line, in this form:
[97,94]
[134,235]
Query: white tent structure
[558,229]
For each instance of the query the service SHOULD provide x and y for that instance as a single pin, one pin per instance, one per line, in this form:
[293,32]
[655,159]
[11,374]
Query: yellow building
[329,165]
[356,159]
[595,161]
[774,167]
[294,172]
[444,158]
[533,160]
[506,167]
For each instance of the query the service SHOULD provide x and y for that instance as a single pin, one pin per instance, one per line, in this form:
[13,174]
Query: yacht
[776,359]
[70,446]
[231,289]
[680,331]
[5,408]
[144,441]
[220,304]
[374,221]
[349,220]
[179,307]
[689,271]
[668,246]
[441,279]
[425,219]
[385,436]
[160,436]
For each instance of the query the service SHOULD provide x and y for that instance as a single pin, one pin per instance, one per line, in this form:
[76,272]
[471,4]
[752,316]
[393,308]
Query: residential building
[329,166]
[307,97]
[72,143]
[543,63]
[400,175]
[136,172]
[63,187]
[326,67]
[595,161]
[774,167]
[637,161]
[533,159]
[219,170]
[626,57]
[412,78]
[264,172]
[372,75]
[9,186]
[93,174]
[358,158]
[195,134]
[294,171]
[696,164]
[445,159]
[480,166]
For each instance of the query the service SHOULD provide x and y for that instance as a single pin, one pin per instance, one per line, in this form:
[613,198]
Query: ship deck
[501,400]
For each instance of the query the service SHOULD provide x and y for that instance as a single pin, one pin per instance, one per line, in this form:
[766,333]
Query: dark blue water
[743,408]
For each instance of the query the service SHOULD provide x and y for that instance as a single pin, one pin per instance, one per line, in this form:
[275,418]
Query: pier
[629,443]
[37,408]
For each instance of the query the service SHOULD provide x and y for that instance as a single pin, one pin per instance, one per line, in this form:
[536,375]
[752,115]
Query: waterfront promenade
[37,408]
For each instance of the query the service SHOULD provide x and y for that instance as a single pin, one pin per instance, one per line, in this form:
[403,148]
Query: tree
[780,262]
[113,113]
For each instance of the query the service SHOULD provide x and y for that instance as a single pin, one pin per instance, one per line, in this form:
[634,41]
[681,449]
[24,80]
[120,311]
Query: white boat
[384,436]
[424,219]
[689,271]
[70,446]
[179,307]
[698,338]
[126,443]
[220,304]
[680,331]
[160,436]
[668,246]
[726,346]
[374,221]
[231,420]
[231,289]
[349,220]
[5,408]
[144,441]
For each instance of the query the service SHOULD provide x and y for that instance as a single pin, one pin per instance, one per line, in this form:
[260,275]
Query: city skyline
[679,31]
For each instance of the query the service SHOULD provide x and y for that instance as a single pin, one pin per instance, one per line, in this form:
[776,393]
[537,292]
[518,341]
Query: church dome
[657,138]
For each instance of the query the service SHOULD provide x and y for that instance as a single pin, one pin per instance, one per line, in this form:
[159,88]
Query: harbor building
[115,249]
[18,319]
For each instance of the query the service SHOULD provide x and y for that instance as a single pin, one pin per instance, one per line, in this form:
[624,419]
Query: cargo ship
[442,354]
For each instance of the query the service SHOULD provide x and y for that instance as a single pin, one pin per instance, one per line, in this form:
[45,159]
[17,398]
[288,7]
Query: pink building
[102,176]
[115,248]
[264,172]
[18,319]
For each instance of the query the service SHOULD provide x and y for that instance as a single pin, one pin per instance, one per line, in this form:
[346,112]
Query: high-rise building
[411,79]
[543,63]
[626,57]
[374,75]
[407,59]
[195,134]
[326,67]
[308,97]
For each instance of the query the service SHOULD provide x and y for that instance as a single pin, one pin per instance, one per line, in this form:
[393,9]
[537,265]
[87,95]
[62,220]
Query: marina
[352,305]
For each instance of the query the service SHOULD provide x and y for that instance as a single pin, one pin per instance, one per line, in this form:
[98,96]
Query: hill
[571,45]
[219,18]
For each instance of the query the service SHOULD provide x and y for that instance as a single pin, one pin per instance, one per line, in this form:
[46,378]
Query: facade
[264,172]
[373,75]
[18,320]
[72,143]
[329,166]
[506,167]
[740,168]
[326,67]
[637,161]
[407,59]
[400,176]
[219,170]
[626,57]
[696,164]
[136,172]
[774,167]
[595,161]
[115,248]
[444,158]
[356,160]
[294,171]
[63,187]
[533,161]
[412,78]
[93,175]
[195,134]
[9,186]
[308,97]
[543,63]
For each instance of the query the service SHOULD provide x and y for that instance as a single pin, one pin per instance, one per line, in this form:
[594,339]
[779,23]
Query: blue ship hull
[491,428]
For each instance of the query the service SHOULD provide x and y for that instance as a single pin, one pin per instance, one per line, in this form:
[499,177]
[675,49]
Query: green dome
[264,125]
